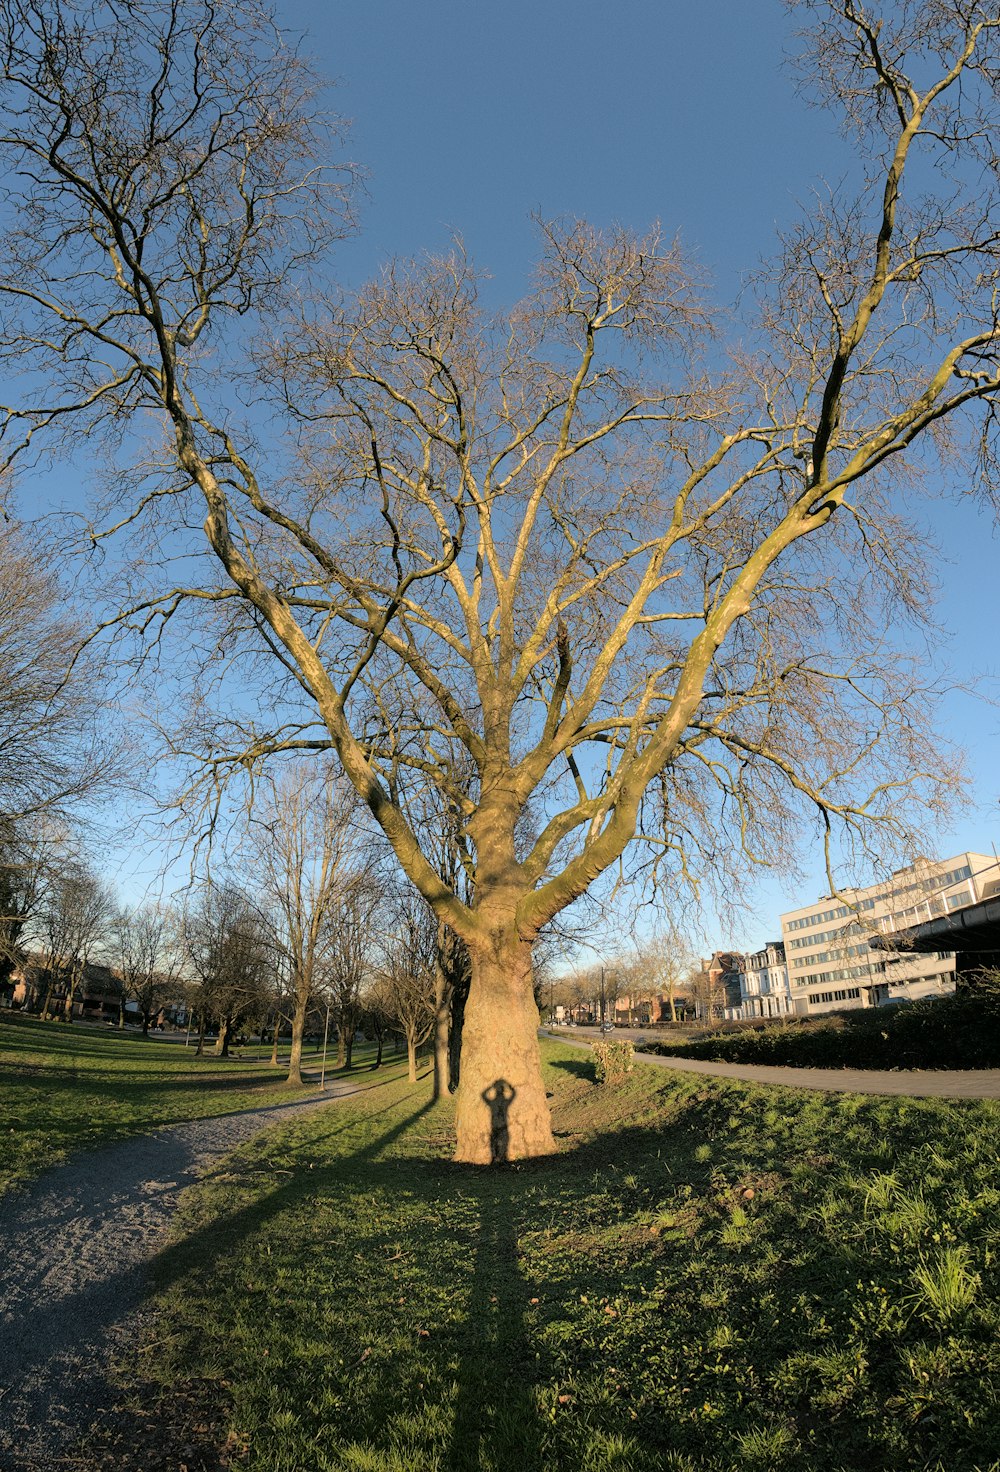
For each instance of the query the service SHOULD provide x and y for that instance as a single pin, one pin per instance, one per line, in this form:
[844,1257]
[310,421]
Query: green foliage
[614,1059]
[710,1276]
[960,1031]
[946,1285]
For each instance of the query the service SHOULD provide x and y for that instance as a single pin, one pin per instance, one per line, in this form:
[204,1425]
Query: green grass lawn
[64,1088]
[709,1276]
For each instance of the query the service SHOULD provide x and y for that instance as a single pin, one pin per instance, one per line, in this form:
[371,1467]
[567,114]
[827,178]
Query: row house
[717,986]
[97,997]
[764,988]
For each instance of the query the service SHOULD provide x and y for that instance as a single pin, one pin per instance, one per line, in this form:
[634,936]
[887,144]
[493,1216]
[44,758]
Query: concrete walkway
[977,1083]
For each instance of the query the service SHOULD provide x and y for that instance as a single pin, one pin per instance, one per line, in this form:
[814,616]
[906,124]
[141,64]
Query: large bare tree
[642,584]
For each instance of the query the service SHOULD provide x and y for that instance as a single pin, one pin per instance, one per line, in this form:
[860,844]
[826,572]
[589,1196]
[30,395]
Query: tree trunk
[411,1057]
[379,1039]
[274,1041]
[199,1052]
[459,997]
[221,1049]
[502,1110]
[298,1028]
[442,1021]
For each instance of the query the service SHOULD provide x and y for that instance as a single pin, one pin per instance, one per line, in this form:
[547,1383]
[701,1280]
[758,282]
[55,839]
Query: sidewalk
[976,1083]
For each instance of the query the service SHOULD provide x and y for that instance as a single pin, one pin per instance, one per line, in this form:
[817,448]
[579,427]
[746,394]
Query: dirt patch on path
[76,1245]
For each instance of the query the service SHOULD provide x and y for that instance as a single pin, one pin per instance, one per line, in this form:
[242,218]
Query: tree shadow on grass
[456,1297]
[578,1067]
[58,1100]
[479,1363]
[21,1033]
[496,1421]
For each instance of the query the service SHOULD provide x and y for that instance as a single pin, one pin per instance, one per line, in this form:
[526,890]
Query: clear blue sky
[468,116]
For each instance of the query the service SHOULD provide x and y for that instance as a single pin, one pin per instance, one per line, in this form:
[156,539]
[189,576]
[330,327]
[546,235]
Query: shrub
[613,1060]
[960,1031]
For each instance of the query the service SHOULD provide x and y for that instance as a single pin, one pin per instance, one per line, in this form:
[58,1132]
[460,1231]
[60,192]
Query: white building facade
[764,988]
[832,966]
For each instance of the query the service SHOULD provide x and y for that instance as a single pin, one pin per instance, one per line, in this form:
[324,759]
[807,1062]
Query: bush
[613,1060]
[961,1031]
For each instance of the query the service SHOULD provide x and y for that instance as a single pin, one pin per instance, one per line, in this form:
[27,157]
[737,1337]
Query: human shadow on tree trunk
[498,1099]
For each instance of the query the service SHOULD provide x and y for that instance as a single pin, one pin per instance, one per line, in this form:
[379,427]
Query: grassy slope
[710,1276]
[66,1088]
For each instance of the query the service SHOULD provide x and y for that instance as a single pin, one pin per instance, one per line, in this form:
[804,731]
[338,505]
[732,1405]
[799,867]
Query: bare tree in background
[308,843]
[647,594]
[27,852]
[54,748]
[72,920]
[227,945]
[351,929]
[706,987]
[665,961]
[438,824]
[148,950]
[404,988]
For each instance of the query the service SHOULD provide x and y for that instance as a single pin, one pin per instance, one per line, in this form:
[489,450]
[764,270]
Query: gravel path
[973,1083]
[75,1245]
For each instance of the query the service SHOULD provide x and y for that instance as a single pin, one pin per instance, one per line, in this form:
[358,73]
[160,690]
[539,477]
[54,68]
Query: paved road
[76,1245]
[977,1083]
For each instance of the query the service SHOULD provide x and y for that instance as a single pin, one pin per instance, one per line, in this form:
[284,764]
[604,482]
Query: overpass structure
[972,932]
